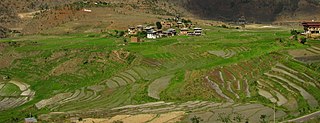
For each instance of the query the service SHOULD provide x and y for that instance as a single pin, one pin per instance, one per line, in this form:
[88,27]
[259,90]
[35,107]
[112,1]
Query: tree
[125,41]
[158,24]
[294,32]
[303,40]
[142,34]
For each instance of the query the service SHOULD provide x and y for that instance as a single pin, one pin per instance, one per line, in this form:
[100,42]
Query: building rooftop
[184,29]
[151,32]
[311,23]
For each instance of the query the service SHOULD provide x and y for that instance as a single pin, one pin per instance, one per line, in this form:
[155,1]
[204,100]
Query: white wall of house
[151,36]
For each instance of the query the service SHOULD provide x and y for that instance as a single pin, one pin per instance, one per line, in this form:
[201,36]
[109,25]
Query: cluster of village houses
[171,29]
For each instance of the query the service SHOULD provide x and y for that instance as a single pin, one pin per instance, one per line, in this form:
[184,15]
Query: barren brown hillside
[116,13]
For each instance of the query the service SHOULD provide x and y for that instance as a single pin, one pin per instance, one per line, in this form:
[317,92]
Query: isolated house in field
[151,34]
[242,20]
[184,31]
[30,120]
[135,39]
[132,31]
[311,27]
[197,31]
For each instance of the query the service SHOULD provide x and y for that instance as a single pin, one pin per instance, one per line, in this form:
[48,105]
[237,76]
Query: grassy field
[83,72]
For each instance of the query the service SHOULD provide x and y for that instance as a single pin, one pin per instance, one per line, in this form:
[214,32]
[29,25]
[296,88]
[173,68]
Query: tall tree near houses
[158,24]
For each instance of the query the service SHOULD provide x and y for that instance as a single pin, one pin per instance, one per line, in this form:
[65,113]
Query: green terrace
[81,72]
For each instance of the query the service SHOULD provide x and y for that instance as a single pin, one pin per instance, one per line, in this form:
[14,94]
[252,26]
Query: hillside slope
[35,17]
[226,10]
[253,10]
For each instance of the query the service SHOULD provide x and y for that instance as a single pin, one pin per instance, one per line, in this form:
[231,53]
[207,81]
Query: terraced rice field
[291,81]
[177,112]
[211,77]
[159,85]
[14,94]
[228,53]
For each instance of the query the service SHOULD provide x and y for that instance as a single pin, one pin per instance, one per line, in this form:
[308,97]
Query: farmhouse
[179,24]
[139,27]
[132,31]
[190,33]
[242,20]
[151,34]
[149,28]
[184,31]
[172,31]
[197,31]
[166,24]
[311,27]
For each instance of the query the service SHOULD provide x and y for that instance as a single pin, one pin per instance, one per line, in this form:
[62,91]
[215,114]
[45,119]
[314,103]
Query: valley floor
[226,75]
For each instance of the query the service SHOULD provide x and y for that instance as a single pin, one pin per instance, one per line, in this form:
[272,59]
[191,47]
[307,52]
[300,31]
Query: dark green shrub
[158,24]
[303,40]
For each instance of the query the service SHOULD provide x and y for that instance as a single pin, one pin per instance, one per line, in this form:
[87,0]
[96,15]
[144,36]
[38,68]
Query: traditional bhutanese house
[166,24]
[311,27]
[160,33]
[165,34]
[184,31]
[179,24]
[242,20]
[168,33]
[30,120]
[139,27]
[189,33]
[197,31]
[132,31]
[151,34]
[172,31]
[149,28]
[135,39]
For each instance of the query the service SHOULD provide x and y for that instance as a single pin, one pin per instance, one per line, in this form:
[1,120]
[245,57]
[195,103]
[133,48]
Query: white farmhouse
[152,34]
